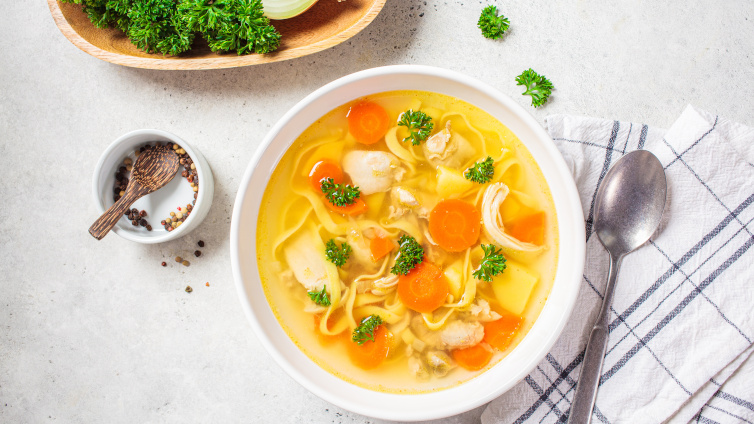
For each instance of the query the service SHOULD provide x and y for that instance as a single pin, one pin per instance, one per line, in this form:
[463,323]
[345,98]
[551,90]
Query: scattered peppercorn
[197,253]
[189,289]
[164,263]
[200,243]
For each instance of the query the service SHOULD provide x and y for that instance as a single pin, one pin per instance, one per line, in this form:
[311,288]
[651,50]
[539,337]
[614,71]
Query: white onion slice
[284,9]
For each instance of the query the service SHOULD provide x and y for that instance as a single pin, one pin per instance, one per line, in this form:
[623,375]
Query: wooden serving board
[326,24]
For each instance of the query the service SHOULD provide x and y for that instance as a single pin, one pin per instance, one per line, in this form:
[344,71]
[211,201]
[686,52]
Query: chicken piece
[493,221]
[422,332]
[418,368]
[372,171]
[460,334]
[404,201]
[447,148]
[439,362]
[481,310]
[306,258]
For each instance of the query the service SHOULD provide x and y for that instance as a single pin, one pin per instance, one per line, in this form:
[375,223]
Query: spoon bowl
[630,202]
[628,210]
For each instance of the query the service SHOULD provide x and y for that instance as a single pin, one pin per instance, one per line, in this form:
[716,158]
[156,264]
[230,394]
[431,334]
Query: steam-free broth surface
[381,246]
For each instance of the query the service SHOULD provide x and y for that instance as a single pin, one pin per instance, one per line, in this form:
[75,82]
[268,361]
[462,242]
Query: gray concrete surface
[100,332]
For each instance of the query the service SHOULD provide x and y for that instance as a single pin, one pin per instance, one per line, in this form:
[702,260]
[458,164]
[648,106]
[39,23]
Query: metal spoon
[627,212]
[153,169]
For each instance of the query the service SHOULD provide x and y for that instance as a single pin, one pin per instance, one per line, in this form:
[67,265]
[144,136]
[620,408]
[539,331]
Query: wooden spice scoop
[152,170]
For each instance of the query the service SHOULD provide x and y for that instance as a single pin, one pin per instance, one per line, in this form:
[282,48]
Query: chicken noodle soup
[407,241]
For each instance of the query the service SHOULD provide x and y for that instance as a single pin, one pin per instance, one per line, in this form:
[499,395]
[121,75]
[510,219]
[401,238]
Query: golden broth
[289,208]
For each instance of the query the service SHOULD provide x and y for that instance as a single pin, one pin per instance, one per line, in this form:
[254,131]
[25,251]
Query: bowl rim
[577,248]
[219,62]
[203,193]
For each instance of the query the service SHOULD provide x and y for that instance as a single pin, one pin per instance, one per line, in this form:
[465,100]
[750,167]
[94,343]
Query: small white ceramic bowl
[158,205]
[511,369]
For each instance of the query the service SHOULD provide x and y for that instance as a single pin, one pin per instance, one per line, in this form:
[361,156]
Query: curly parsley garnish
[481,172]
[410,255]
[537,86]
[339,194]
[337,254]
[320,297]
[419,125]
[492,264]
[492,25]
[366,328]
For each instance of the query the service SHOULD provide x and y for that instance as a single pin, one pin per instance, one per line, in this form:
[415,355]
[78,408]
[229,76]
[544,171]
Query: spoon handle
[591,367]
[107,221]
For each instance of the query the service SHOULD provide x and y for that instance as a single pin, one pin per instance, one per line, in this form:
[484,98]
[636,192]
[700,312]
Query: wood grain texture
[326,24]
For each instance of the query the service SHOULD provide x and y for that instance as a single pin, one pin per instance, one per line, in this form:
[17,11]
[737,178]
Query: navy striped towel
[682,323]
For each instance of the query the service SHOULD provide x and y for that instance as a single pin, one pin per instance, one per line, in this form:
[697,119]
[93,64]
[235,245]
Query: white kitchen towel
[682,325]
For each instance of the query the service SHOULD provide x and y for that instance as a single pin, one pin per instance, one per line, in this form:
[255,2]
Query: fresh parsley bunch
[537,86]
[155,27]
[169,26]
[492,25]
[231,25]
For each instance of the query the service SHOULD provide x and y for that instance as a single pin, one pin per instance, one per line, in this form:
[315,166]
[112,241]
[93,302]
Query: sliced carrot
[529,228]
[454,224]
[325,168]
[356,208]
[368,122]
[473,358]
[424,288]
[371,354]
[499,334]
[380,246]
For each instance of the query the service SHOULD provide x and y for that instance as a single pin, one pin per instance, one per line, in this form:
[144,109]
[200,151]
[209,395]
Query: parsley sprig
[337,254]
[482,172]
[365,330]
[492,264]
[492,25]
[339,194]
[409,255]
[419,125]
[537,86]
[320,297]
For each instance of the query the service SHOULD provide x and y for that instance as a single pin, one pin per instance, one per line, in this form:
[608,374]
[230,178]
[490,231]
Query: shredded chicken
[420,329]
[439,362]
[360,251]
[481,310]
[372,171]
[306,261]
[417,367]
[460,334]
[404,201]
[493,221]
[447,148]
